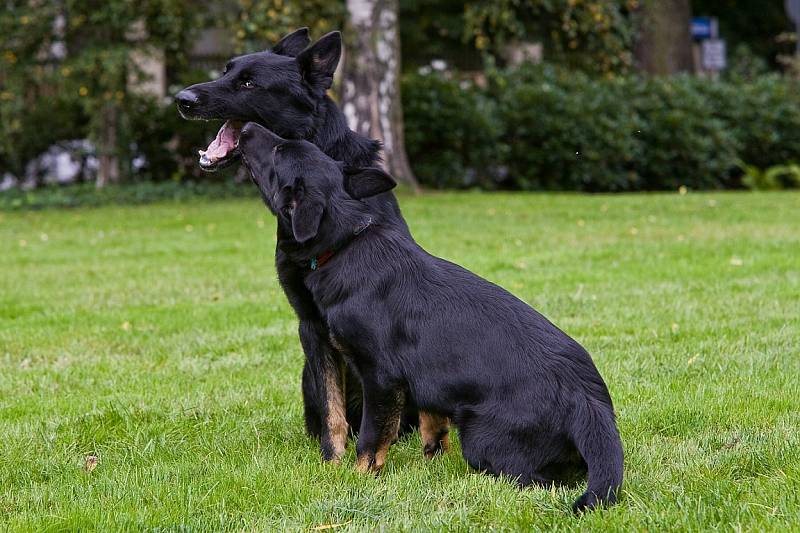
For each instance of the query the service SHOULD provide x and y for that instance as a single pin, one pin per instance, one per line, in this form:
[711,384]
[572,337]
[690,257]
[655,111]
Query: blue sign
[704,28]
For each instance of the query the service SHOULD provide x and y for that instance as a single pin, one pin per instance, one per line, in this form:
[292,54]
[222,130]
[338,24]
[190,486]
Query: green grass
[157,338]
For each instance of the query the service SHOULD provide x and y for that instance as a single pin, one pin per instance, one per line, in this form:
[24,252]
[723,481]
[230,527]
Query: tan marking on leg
[390,436]
[367,462]
[337,419]
[434,430]
[364,463]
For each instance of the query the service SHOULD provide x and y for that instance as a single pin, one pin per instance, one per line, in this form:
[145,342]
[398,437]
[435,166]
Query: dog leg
[434,430]
[324,391]
[334,437]
[380,423]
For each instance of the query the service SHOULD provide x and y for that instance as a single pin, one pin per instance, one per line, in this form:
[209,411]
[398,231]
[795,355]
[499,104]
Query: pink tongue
[222,144]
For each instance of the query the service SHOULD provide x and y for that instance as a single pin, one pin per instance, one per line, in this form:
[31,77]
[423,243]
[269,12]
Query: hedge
[535,128]
[544,128]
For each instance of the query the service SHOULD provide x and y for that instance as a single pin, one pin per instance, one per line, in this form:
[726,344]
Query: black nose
[187,100]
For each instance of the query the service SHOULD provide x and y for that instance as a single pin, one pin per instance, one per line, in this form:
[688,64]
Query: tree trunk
[371,85]
[664,45]
[108,160]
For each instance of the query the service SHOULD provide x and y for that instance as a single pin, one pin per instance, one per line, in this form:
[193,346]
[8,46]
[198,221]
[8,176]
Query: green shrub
[773,178]
[169,143]
[547,128]
[451,132]
[567,131]
[683,142]
[29,132]
[154,130]
[764,115]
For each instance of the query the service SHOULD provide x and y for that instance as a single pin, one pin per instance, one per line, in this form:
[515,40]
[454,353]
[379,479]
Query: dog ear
[365,182]
[293,43]
[318,62]
[307,215]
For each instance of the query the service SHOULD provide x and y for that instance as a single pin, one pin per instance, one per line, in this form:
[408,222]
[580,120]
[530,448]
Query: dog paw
[366,464]
[437,447]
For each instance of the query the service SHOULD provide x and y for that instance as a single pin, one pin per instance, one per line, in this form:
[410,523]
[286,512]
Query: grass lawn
[157,338]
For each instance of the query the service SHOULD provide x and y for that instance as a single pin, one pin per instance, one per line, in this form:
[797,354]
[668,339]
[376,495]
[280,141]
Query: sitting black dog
[527,399]
[285,89]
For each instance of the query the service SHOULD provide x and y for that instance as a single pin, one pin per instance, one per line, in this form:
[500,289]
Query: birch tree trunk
[664,46]
[108,160]
[371,82]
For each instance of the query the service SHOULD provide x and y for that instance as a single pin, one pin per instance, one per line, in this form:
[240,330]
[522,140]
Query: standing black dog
[527,399]
[285,89]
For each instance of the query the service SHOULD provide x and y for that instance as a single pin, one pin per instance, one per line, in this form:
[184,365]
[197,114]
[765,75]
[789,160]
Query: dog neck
[318,261]
[350,223]
[332,135]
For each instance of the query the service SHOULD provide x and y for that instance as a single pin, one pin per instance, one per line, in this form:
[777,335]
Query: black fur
[527,399]
[288,95]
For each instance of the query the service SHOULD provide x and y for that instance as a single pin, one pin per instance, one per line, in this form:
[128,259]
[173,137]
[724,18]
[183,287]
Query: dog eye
[247,84]
[287,210]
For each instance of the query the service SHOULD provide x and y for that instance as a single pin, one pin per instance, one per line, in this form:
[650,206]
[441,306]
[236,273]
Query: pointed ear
[293,43]
[365,182]
[318,62]
[306,216]
[305,220]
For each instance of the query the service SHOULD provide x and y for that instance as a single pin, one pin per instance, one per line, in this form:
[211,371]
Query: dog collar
[319,260]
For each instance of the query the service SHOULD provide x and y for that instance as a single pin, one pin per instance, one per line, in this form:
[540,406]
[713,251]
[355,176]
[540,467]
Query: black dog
[527,399]
[284,89]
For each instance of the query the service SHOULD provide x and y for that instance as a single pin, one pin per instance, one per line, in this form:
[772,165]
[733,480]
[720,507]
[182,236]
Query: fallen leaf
[91,462]
[731,443]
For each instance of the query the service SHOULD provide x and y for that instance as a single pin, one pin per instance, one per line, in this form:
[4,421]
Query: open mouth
[224,149]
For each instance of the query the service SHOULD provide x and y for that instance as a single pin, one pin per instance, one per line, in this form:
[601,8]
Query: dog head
[278,88]
[304,188]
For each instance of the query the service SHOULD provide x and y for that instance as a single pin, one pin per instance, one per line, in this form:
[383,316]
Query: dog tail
[596,436]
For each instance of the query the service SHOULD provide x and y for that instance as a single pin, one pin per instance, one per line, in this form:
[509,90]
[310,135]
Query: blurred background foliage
[546,127]
[258,23]
[585,119]
[593,36]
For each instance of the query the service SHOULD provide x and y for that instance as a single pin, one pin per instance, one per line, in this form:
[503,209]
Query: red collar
[321,259]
